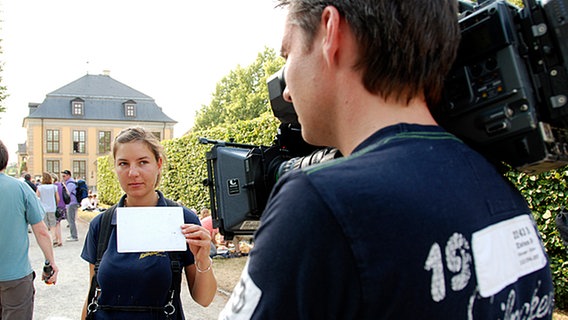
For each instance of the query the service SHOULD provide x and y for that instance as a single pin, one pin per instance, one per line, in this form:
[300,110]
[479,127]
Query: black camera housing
[506,96]
[240,177]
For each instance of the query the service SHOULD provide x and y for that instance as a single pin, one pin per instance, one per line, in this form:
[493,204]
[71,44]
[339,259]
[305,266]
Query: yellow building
[77,123]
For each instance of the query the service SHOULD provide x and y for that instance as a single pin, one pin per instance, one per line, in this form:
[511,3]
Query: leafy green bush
[186,168]
[108,188]
[243,95]
[545,194]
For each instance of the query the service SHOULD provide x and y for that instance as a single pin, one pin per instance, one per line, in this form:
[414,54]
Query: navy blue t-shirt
[133,279]
[413,225]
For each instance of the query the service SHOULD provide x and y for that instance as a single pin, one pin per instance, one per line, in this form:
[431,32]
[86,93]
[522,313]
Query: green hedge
[546,195]
[185,167]
[185,171]
[186,164]
[108,188]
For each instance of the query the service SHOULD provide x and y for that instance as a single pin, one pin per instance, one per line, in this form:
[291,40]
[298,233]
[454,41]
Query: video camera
[506,96]
[241,176]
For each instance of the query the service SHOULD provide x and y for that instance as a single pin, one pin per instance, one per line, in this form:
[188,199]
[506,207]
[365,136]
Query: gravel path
[64,301]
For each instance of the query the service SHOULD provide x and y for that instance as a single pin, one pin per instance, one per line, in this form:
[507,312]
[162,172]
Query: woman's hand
[199,241]
[204,286]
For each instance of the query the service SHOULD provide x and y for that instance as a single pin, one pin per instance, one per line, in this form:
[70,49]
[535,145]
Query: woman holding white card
[139,285]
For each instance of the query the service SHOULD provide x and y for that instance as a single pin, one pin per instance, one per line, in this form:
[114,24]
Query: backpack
[102,244]
[65,193]
[82,190]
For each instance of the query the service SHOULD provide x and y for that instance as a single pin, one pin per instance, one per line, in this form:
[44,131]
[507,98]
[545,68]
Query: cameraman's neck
[370,115]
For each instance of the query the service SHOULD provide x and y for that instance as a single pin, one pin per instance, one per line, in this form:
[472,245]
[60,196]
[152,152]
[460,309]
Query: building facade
[77,123]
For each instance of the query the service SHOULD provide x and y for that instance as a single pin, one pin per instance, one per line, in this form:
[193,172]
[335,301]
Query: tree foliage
[546,195]
[242,94]
[240,111]
[185,167]
[108,188]
[3,89]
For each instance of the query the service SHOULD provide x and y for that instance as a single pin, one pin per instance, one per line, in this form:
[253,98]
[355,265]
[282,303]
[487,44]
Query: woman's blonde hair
[134,134]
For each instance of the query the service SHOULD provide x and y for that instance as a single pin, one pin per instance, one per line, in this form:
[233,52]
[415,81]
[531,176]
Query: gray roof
[103,100]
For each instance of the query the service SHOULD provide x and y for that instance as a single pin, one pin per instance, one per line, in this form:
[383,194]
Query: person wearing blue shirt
[142,280]
[19,207]
[411,223]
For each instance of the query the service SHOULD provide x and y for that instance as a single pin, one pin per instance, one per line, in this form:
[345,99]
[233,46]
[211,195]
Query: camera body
[240,177]
[506,96]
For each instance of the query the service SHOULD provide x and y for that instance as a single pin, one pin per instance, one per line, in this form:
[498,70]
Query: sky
[174,51]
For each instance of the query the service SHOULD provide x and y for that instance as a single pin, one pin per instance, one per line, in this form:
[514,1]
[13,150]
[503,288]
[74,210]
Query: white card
[145,229]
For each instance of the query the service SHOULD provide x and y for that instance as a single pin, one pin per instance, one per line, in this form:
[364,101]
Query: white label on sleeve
[504,252]
[243,300]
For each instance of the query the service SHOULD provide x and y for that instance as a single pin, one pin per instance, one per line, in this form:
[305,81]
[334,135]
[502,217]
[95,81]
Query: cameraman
[411,223]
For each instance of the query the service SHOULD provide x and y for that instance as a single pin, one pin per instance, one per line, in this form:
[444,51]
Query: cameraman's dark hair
[3,156]
[406,47]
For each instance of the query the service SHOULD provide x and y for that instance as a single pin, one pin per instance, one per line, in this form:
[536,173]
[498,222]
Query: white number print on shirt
[503,253]
[243,300]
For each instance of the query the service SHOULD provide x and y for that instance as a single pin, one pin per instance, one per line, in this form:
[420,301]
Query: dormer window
[77,107]
[130,109]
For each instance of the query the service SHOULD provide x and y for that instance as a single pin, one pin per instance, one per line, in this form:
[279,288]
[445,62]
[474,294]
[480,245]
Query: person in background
[28,180]
[95,201]
[61,212]
[49,197]
[411,222]
[142,280]
[87,203]
[18,208]
[72,206]
[207,223]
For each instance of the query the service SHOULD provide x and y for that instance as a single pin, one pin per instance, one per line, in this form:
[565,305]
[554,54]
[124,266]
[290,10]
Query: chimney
[106,72]
[32,107]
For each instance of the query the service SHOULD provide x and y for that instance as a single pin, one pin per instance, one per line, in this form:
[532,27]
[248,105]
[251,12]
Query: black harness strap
[105,230]
[130,308]
[104,235]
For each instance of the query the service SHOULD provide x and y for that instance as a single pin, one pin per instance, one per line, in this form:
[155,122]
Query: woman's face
[137,169]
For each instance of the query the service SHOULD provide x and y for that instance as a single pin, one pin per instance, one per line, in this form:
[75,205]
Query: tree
[242,94]
[3,94]
[518,3]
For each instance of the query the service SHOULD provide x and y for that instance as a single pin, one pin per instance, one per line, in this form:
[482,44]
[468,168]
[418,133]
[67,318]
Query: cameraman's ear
[331,23]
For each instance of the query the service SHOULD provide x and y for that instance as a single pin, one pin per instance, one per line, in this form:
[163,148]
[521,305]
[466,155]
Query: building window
[78,107]
[80,169]
[52,141]
[53,166]
[79,141]
[158,135]
[130,109]
[104,142]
